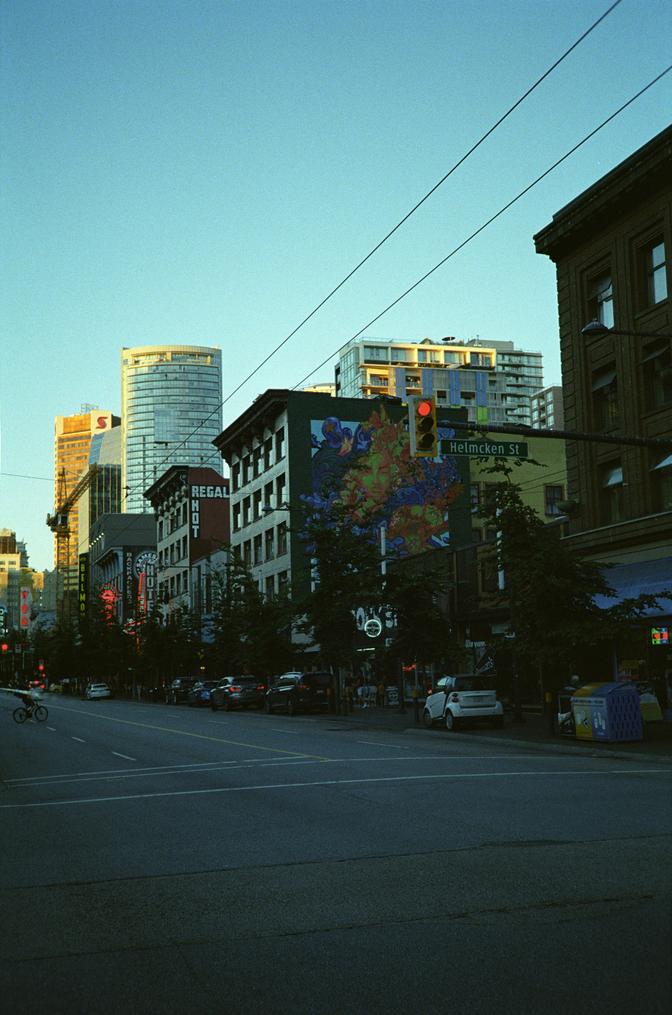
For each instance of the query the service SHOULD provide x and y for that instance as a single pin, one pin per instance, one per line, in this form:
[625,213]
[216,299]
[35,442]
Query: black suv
[299,692]
[179,690]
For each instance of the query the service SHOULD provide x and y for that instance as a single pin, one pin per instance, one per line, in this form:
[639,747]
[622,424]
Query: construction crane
[59,523]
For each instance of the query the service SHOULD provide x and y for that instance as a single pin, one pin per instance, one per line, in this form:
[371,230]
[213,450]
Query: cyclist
[28,700]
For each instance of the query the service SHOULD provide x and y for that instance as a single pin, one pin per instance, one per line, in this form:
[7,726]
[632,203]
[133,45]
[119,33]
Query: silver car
[460,699]
[97,691]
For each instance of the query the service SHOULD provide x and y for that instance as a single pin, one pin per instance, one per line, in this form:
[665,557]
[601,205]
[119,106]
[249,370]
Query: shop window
[657,373]
[611,493]
[552,496]
[605,398]
[661,483]
[601,300]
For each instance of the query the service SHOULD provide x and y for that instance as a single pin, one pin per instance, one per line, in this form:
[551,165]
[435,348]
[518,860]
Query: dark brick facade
[612,247]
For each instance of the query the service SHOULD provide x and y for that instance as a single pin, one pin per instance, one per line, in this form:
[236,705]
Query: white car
[97,691]
[458,699]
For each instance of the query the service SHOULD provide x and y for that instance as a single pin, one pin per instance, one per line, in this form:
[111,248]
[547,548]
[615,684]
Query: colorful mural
[368,469]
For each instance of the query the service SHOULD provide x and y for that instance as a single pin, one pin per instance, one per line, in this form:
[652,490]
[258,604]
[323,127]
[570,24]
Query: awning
[648,577]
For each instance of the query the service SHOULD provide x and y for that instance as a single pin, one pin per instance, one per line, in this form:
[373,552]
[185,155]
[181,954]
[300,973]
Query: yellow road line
[185,733]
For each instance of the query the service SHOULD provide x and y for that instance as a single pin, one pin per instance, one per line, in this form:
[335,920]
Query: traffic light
[422,426]
[5,647]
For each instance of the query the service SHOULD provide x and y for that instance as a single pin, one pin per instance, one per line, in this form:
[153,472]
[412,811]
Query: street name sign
[484,447]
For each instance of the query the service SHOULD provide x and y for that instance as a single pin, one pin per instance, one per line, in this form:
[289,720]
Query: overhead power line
[400,223]
[488,222]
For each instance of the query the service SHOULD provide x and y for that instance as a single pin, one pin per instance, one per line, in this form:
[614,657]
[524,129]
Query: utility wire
[400,223]
[488,222]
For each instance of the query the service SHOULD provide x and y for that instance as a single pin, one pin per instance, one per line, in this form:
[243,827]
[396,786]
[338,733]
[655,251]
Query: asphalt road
[177,860]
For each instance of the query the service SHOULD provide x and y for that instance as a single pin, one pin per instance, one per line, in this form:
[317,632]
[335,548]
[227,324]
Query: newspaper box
[608,712]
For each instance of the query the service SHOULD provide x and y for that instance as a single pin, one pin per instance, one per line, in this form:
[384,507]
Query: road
[177,860]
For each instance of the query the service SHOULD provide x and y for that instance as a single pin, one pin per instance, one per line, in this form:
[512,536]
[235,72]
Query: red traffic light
[5,647]
[425,408]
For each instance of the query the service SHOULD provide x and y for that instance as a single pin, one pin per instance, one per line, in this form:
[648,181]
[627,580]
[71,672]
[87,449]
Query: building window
[601,300]
[605,398]
[236,517]
[269,586]
[246,511]
[257,549]
[280,444]
[611,493]
[552,495]
[235,477]
[476,535]
[661,483]
[268,497]
[184,546]
[256,462]
[280,491]
[247,552]
[256,505]
[268,553]
[490,497]
[475,497]
[654,271]
[657,373]
[268,453]
[245,464]
[282,539]
[283,581]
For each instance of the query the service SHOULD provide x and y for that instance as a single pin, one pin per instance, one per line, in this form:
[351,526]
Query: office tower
[71,455]
[171,399]
[492,380]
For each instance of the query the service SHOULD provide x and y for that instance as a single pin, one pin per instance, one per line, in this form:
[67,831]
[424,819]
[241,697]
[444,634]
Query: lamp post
[596,329]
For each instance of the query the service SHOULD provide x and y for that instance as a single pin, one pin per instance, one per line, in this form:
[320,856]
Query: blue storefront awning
[650,577]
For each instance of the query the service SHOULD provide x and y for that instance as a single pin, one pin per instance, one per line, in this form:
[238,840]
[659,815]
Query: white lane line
[292,733]
[79,739]
[327,782]
[377,743]
[52,728]
[127,756]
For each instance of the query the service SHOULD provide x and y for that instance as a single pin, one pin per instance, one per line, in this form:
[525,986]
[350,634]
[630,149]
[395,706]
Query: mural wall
[367,468]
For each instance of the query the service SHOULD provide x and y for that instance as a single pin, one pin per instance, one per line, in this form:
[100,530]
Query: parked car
[461,699]
[238,692]
[199,693]
[179,689]
[299,692]
[97,691]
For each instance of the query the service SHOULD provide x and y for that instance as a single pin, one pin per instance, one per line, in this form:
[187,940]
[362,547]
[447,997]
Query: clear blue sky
[205,172]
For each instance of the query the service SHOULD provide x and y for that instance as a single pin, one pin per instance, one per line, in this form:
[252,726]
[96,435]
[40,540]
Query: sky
[207,172]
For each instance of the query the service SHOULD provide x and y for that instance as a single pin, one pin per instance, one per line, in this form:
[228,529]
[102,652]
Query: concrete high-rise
[171,398]
[492,380]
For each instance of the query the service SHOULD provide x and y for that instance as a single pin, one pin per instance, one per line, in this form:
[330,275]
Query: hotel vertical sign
[83,585]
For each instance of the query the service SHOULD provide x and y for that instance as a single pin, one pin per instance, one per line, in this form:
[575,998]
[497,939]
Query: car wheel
[226,704]
[267,706]
[427,719]
[451,721]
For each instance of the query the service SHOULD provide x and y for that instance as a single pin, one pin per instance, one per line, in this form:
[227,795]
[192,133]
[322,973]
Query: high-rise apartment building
[171,399]
[493,380]
[548,412]
[73,436]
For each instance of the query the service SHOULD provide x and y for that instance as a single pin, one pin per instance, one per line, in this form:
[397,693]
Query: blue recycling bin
[607,712]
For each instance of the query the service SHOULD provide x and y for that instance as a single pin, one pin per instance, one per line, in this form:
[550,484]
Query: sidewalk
[532,733]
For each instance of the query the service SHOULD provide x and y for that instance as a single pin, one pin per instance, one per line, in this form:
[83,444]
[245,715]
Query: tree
[549,589]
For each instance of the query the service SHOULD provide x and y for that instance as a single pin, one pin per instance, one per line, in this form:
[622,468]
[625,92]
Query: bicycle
[37,712]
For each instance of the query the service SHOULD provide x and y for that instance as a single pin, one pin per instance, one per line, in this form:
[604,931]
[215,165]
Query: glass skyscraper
[171,412]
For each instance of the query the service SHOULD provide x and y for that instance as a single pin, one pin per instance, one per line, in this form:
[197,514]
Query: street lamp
[596,329]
